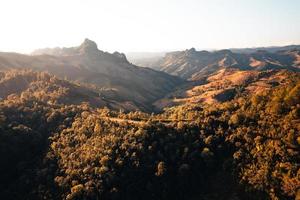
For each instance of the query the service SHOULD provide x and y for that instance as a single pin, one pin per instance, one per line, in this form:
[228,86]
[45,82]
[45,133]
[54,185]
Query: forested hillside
[41,86]
[243,148]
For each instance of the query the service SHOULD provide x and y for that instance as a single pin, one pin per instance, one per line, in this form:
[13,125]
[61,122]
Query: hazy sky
[148,25]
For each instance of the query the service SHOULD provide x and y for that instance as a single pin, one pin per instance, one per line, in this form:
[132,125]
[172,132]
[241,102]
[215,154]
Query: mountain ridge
[152,59]
[86,63]
[193,65]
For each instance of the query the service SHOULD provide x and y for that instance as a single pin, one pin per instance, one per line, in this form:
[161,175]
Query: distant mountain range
[194,65]
[152,59]
[112,74]
[218,76]
[272,49]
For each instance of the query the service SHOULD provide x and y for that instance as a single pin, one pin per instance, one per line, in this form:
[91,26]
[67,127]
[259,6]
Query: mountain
[115,77]
[220,76]
[272,49]
[194,65]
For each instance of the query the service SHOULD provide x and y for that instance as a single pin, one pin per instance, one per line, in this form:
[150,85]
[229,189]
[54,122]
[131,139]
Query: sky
[148,25]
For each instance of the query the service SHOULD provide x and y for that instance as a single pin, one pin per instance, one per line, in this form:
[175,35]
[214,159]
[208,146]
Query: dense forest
[55,147]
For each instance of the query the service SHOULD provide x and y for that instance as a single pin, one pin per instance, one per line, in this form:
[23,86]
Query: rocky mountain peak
[192,49]
[88,46]
[122,56]
[190,52]
[225,52]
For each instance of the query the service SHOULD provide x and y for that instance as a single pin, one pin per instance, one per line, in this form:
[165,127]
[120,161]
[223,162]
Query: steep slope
[112,73]
[294,56]
[194,65]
